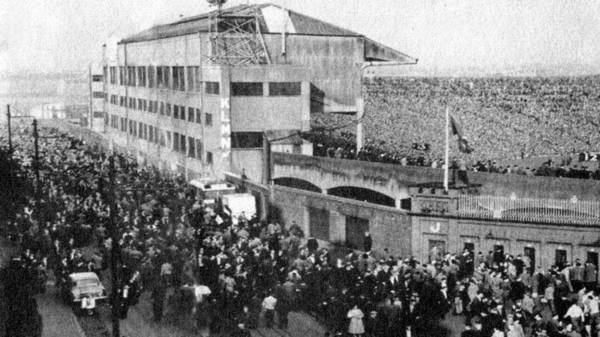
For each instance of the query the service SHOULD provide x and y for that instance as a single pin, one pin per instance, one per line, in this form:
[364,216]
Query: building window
[162,108]
[155,107]
[176,141]
[209,158]
[151,76]
[198,116]
[176,111]
[208,119]
[246,140]
[285,88]
[182,146]
[162,138]
[193,78]
[191,114]
[150,133]
[113,75]
[182,113]
[141,130]
[131,76]
[178,78]
[246,89]
[121,75]
[98,78]
[169,139]
[141,72]
[191,147]
[160,77]
[150,103]
[212,88]
[140,105]
[98,94]
[168,110]
[198,149]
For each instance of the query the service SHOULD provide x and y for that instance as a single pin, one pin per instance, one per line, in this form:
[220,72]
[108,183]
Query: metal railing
[573,211]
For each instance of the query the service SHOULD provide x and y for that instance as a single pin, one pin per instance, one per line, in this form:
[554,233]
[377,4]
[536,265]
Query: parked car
[83,285]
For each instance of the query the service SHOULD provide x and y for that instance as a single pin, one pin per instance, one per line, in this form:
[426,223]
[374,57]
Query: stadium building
[206,94]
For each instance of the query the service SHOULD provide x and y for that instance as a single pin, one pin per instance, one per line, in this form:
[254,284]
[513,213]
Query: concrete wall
[333,61]
[389,227]
[514,237]
[392,179]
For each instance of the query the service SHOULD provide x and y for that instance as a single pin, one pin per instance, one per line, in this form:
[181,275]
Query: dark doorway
[498,253]
[530,253]
[593,258]
[355,231]
[319,223]
[470,246]
[560,258]
[437,249]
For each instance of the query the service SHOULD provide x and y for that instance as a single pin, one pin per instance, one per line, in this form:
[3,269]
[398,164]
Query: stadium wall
[329,218]
[329,171]
[514,238]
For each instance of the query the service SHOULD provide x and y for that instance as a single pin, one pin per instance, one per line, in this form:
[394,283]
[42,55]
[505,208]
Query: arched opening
[297,183]
[362,194]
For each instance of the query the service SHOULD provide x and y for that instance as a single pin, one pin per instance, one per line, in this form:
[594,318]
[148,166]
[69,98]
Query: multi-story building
[204,95]
[94,119]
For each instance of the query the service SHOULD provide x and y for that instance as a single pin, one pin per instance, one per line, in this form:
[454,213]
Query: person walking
[367,242]
[268,305]
[356,327]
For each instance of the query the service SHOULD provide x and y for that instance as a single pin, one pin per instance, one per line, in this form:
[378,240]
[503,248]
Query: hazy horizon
[475,37]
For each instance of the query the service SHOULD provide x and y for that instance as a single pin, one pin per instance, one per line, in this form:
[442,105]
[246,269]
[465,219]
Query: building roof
[270,21]
[297,24]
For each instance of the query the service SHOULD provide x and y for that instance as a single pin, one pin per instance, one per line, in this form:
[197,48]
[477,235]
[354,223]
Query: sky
[445,35]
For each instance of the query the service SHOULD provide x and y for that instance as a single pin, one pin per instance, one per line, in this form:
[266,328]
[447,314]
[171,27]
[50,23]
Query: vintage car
[79,285]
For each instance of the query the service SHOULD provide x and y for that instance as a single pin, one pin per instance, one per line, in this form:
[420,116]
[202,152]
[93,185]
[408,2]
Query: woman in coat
[356,327]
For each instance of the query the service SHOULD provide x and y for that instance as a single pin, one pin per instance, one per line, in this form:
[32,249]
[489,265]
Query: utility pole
[9,131]
[36,161]
[114,249]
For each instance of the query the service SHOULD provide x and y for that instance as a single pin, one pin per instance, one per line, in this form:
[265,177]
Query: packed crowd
[200,263]
[502,117]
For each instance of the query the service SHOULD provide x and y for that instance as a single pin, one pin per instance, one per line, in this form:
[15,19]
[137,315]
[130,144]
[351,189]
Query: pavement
[58,318]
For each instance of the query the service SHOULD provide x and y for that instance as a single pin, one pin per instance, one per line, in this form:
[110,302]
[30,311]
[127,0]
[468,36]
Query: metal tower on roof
[235,38]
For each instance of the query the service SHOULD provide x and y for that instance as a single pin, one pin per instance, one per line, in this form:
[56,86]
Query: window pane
[190,114]
[150,76]
[191,78]
[198,149]
[176,111]
[246,89]
[198,116]
[191,147]
[245,140]
[208,121]
[212,88]
[168,110]
[284,88]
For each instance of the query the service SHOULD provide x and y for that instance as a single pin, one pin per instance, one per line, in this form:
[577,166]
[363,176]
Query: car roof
[83,276]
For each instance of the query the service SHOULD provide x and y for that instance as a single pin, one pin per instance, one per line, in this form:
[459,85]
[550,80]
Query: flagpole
[447,152]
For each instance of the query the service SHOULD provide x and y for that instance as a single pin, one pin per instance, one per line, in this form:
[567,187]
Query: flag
[463,143]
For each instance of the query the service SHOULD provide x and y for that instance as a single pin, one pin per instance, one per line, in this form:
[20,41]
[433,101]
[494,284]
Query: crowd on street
[230,274]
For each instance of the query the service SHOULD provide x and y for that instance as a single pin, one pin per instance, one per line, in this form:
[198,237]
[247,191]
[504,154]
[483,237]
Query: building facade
[206,94]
